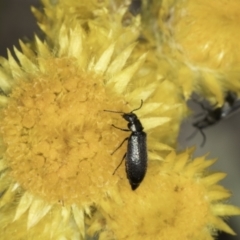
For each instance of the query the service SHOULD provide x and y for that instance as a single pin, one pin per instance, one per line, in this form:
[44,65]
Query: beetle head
[130,117]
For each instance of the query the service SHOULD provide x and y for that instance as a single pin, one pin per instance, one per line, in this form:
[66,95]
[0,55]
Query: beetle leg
[119,164]
[120,145]
[200,114]
[122,129]
[193,134]
[204,137]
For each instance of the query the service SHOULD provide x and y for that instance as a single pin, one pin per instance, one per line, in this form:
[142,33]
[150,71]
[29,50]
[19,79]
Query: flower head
[199,39]
[56,139]
[177,196]
[56,167]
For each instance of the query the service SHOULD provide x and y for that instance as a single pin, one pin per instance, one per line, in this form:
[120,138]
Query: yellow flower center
[57,137]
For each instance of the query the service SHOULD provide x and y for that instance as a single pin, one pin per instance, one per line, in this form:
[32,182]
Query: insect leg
[204,137]
[192,135]
[120,145]
[122,129]
[119,164]
[201,105]
[199,114]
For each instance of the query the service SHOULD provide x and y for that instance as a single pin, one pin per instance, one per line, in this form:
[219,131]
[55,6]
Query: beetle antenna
[124,112]
[112,111]
[138,107]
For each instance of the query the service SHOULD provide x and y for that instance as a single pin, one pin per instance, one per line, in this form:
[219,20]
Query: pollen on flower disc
[56,136]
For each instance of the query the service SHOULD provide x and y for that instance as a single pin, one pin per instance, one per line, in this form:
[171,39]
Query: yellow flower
[56,167]
[177,200]
[199,39]
[56,139]
[106,18]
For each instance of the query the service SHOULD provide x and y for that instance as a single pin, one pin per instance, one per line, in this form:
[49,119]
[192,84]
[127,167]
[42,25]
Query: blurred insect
[135,7]
[136,155]
[214,115]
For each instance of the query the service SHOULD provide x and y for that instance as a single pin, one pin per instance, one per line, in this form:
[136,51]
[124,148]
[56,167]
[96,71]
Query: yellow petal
[104,60]
[37,211]
[213,178]
[222,226]
[79,218]
[150,123]
[43,49]
[25,62]
[119,62]
[225,210]
[122,79]
[5,80]
[75,48]
[23,205]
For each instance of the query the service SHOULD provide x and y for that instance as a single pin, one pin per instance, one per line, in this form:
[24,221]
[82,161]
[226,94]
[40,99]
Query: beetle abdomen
[136,158]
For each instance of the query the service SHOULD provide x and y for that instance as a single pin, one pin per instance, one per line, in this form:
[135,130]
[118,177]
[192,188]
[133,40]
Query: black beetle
[136,155]
[213,116]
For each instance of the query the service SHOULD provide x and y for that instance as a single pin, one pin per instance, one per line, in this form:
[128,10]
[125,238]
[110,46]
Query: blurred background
[16,22]
[223,139]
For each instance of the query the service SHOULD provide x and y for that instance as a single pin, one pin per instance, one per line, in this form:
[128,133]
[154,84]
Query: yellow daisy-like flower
[107,21]
[177,200]
[56,167]
[56,139]
[200,40]
[106,18]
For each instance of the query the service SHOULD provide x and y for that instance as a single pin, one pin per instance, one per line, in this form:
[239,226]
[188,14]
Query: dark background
[223,139]
[16,22]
